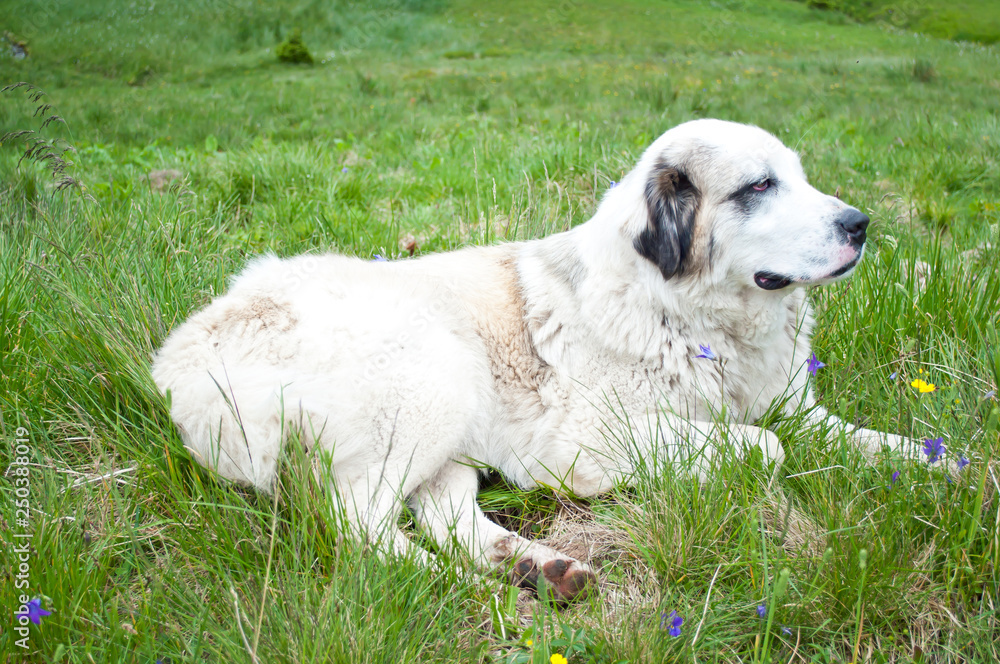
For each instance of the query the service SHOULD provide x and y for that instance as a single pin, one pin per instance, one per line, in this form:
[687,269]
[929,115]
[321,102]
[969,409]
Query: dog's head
[731,203]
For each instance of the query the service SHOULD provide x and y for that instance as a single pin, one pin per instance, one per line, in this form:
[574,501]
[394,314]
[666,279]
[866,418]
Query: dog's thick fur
[560,361]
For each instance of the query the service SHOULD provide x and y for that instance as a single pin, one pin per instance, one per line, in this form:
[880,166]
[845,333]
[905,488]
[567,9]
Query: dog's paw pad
[525,574]
[569,580]
[565,580]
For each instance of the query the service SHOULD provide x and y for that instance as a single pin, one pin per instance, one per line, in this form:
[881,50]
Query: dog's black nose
[854,222]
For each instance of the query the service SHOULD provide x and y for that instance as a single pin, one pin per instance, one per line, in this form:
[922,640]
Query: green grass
[457,123]
[964,20]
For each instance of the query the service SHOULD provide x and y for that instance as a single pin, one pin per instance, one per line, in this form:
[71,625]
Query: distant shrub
[857,8]
[17,47]
[971,20]
[367,85]
[923,70]
[293,50]
[140,77]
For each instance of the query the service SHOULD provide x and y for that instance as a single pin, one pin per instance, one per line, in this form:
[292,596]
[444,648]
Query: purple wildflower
[895,477]
[612,185]
[962,462]
[675,622]
[893,375]
[344,169]
[675,625]
[786,630]
[814,365]
[379,259]
[706,352]
[34,611]
[761,610]
[934,449]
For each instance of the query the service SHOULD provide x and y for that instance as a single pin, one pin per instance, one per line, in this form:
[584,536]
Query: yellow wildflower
[557,659]
[923,386]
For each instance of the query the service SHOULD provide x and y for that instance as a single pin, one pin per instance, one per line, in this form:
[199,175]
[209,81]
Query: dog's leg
[446,508]
[870,441]
[370,503]
[748,437]
[693,446]
[626,447]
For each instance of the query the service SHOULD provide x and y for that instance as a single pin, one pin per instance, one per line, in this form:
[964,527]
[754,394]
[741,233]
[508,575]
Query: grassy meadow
[425,126]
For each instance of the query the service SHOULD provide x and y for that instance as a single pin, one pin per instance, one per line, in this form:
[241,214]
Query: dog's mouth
[847,267]
[771,281]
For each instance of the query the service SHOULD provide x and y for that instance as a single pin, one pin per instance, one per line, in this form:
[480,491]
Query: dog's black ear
[672,202]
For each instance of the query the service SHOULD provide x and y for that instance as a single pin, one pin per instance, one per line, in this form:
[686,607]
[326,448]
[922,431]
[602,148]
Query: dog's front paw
[929,451]
[874,443]
[566,579]
[951,467]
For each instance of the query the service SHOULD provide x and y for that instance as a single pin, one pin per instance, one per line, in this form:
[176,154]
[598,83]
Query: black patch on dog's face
[672,201]
[747,199]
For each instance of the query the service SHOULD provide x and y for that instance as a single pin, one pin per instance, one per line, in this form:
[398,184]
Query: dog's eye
[762,185]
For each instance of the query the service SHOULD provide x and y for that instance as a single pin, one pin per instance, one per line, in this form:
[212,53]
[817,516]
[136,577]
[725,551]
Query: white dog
[561,361]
